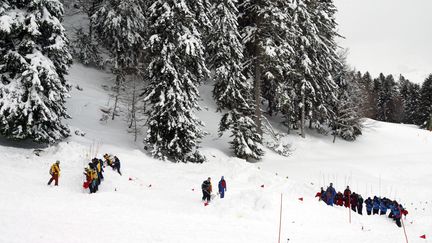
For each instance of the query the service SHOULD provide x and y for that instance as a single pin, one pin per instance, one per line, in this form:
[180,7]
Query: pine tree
[86,49]
[34,59]
[267,35]
[176,68]
[425,106]
[232,91]
[411,104]
[367,107]
[120,26]
[315,61]
[346,122]
[387,96]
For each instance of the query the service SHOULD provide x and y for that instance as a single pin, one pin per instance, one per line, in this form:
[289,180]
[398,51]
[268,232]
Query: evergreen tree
[411,105]
[232,91]
[346,122]
[425,106]
[409,99]
[176,69]
[120,27]
[34,59]
[315,60]
[267,35]
[387,96]
[368,107]
[86,49]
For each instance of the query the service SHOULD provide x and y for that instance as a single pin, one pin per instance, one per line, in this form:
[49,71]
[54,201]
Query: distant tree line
[395,100]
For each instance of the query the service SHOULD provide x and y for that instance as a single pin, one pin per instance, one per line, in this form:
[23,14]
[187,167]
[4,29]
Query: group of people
[207,189]
[355,202]
[380,206]
[93,173]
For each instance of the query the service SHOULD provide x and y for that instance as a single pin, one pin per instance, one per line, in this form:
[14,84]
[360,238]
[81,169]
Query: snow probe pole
[280,219]
[380,185]
[349,207]
[403,224]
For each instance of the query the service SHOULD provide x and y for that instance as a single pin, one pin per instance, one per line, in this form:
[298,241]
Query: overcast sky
[389,36]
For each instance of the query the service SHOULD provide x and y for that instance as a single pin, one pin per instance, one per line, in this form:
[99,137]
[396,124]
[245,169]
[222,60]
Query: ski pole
[280,219]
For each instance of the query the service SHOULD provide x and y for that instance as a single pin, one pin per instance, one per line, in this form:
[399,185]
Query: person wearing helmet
[55,173]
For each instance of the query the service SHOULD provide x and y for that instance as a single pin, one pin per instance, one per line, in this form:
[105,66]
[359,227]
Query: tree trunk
[117,94]
[303,114]
[289,126]
[257,93]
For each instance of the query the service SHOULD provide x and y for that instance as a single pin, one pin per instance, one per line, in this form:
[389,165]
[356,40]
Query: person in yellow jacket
[55,173]
[95,178]
[108,160]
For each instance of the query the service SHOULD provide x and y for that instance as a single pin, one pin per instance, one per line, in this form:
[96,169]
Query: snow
[162,201]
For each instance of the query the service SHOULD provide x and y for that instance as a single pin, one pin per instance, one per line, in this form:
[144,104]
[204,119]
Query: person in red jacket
[354,201]
[347,195]
[222,187]
[321,195]
[339,199]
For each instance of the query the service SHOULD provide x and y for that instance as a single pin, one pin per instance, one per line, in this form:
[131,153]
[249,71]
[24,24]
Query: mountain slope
[157,201]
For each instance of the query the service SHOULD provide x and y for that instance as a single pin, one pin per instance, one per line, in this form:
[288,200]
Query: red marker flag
[423,236]
[301,199]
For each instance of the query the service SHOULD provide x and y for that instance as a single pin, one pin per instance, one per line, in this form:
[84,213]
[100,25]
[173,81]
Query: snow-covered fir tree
[267,36]
[34,59]
[346,121]
[176,69]
[120,26]
[366,84]
[387,95]
[315,60]
[425,106]
[411,104]
[232,91]
[86,50]
[405,92]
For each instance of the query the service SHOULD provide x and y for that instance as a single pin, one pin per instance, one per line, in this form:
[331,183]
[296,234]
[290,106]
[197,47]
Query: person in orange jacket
[55,173]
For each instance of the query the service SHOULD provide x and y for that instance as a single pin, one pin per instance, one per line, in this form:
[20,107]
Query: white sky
[389,36]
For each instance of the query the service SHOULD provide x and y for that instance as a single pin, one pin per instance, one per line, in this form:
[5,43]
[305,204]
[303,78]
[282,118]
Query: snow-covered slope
[158,201]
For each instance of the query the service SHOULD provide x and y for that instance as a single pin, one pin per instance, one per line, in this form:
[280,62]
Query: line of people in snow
[207,189]
[355,202]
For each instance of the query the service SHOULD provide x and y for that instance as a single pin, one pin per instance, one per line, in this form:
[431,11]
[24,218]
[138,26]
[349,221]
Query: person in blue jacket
[391,208]
[368,203]
[222,187]
[396,214]
[376,205]
[330,194]
[383,206]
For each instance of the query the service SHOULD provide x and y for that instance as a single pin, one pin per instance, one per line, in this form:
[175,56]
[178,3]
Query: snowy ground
[162,201]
